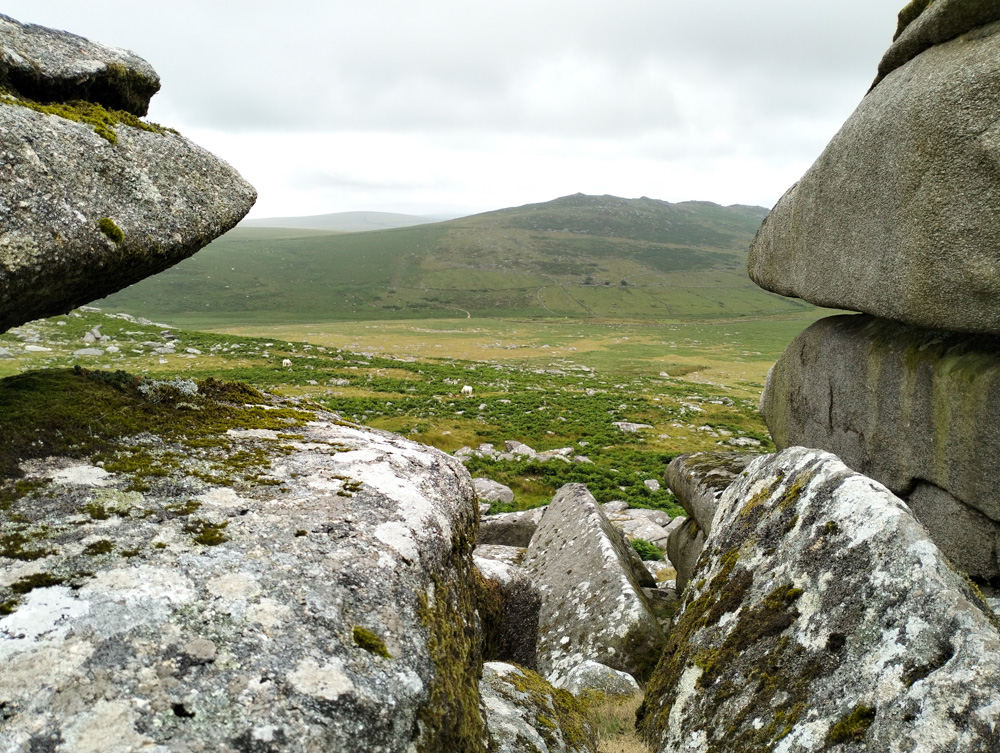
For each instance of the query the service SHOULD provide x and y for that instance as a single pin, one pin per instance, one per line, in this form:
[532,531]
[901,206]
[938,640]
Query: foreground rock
[240,574]
[524,714]
[46,65]
[897,217]
[824,616]
[591,584]
[96,200]
[489,490]
[917,410]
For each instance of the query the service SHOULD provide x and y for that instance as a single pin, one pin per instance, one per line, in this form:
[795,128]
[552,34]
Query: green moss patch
[207,533]
[110,229]
[103,121]
[852,727]
[561,714]
[370,642]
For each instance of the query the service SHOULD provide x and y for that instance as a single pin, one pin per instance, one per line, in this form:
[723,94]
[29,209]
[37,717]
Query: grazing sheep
[286,362]
[467,391]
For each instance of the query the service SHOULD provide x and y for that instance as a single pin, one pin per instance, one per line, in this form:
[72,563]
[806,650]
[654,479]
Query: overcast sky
[458,106]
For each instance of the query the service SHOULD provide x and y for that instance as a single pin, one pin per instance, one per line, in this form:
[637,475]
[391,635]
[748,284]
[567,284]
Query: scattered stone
[4,353]
[37,349]
[509,555]
[652,484]
[525,714]
[615,505]
[492,491]
[590,580]
[774,650]
[88,352]
[895,403]
[590,676]
[628,427]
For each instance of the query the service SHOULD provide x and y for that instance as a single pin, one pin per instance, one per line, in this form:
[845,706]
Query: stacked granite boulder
[898,219]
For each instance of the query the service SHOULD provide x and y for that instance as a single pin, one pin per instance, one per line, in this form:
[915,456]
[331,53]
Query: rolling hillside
[345,222]
[578,256]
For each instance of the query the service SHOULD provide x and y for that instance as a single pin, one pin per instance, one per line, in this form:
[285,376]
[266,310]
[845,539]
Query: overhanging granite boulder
[94,199]
[698,479]
[917,410]
[898,216]
[824,618]
[202,567]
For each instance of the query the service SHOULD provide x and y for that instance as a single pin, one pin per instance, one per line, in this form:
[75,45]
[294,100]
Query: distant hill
[346,222]
[577,256]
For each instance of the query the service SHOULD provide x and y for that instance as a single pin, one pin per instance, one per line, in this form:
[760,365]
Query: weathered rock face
[510,528]
[898,216]
[46,65]
[684,547]
[917,410]
[591,677]
[95,200]
[524,714]
[698,479]
[508,607]
[244,574]
[590,580]
[826,618]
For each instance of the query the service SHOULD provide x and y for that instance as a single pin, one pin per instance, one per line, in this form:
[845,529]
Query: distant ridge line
[347,222]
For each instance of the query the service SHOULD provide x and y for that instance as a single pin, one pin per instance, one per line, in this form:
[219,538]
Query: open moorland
[550,385]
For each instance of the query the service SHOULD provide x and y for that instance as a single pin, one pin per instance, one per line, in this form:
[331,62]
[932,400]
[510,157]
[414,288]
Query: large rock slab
[684,546]
[825,619]
[489,490]
[47,65]
[698,479]
[510,528]
[898,217]
[524,714]
[917,410]
[240,573]
[591,584]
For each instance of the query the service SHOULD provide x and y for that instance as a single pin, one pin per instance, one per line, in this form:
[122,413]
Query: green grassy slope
[578,256]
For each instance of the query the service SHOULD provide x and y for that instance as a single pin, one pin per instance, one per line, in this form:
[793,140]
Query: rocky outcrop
[824,617]
[219,570]
[897,218]
[684,547]
[917,410]
[591,677]
[591,584]
[46,65]
[95,199]
[524,714]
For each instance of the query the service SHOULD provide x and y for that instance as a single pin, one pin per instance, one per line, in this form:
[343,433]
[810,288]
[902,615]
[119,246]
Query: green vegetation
[647,550]
[852,727]
[370,642]
[111,230]
[579,257]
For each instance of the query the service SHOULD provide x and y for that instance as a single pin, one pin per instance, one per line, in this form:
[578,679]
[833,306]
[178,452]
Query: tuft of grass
[613,718]
[647,550]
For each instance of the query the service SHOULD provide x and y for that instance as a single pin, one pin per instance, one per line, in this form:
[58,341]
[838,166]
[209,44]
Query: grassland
[579,257]
[547,384]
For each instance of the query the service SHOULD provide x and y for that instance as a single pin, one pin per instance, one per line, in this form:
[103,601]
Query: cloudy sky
[456,106]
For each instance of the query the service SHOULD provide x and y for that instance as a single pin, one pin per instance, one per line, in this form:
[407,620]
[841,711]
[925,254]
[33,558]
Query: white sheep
[467,391]
[286,362]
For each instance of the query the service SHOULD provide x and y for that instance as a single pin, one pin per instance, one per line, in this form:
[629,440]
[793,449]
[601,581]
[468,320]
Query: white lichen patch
[234,586]
[45,615]
[327,681]
[253,433]
[108,728]
[399,536]
[142,583]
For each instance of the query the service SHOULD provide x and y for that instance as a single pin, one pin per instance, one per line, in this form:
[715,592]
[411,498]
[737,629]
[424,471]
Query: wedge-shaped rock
[898,216]
[82,217]
[249,575]
[684,546]
[47,65]
[591,584]
[510,528]
[917,410]
[698,479]
[824,619]
[524,714]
